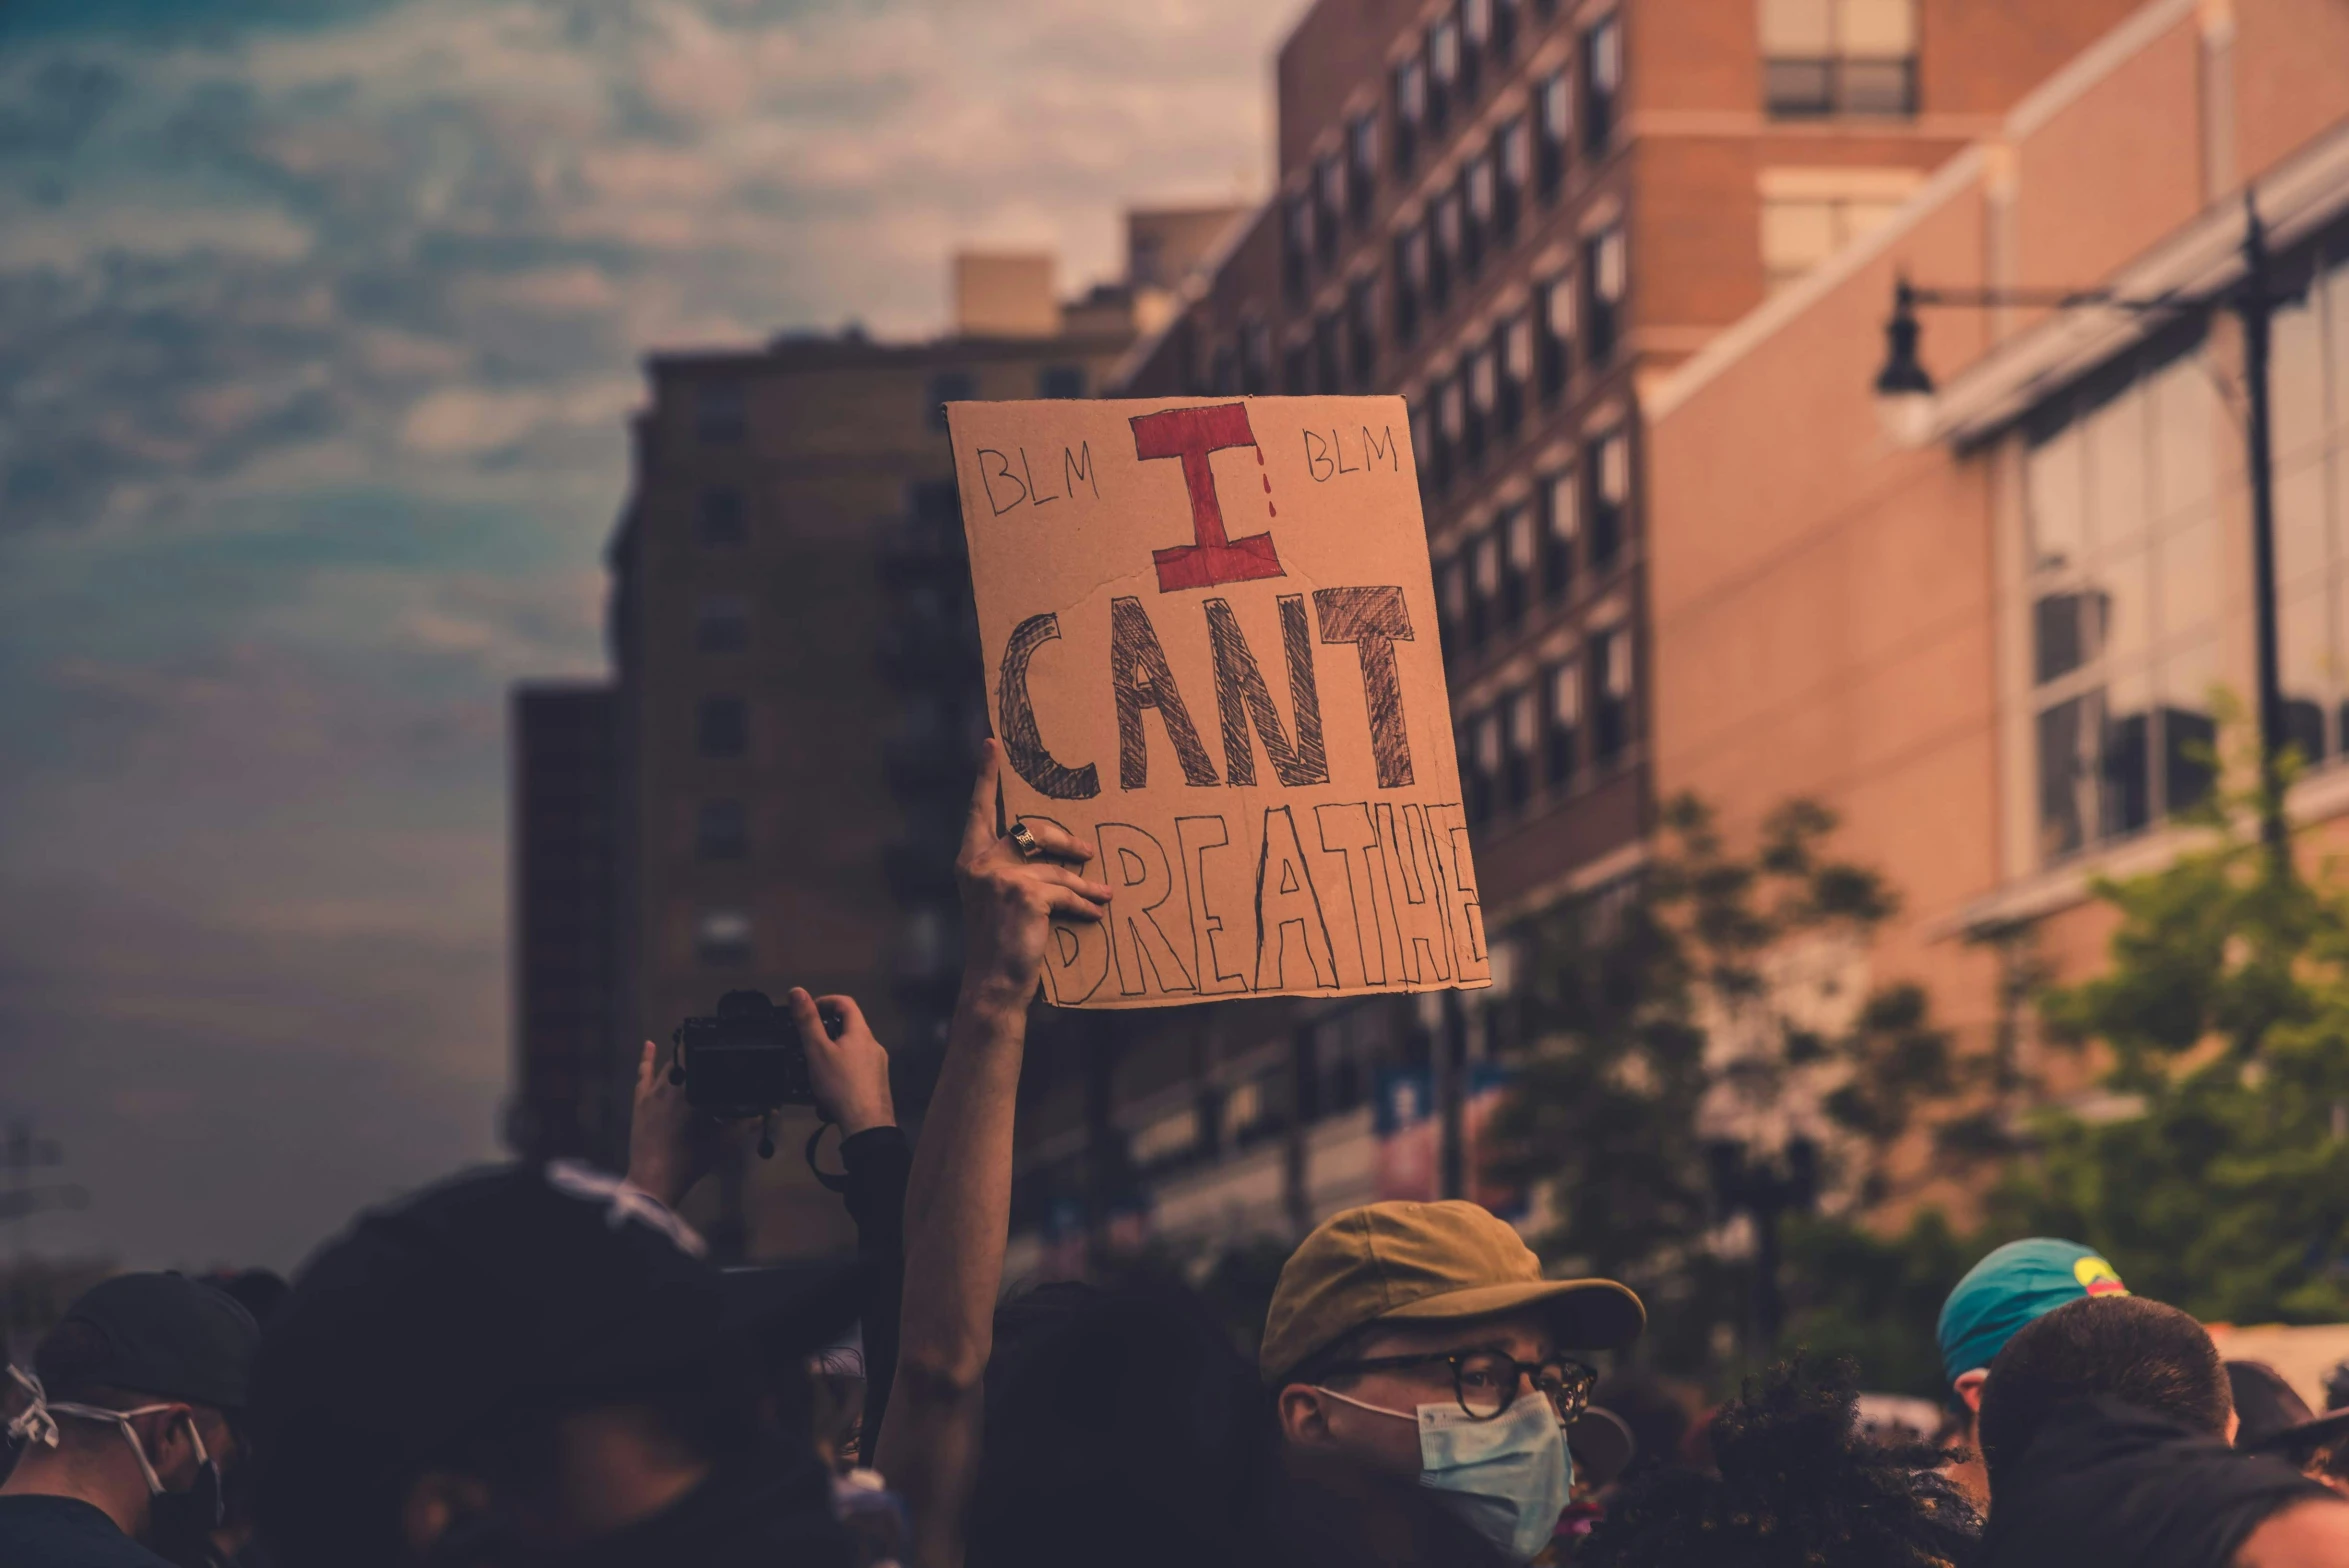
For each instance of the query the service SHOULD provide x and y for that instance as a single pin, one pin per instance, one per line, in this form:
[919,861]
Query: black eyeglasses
[1486,1381]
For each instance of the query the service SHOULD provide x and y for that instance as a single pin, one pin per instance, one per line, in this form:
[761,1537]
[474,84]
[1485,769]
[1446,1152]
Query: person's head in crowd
[1419,1342]
[1121,1422]
[2141,1353]
[2105,1424]
[536,1364]
[134,1407]
[2271,1418]
[1798,1485]
[2010,1287]
[258,1291]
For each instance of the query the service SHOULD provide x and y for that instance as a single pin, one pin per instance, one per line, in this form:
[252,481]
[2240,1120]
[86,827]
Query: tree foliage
[2215,1173]
[1652,1008]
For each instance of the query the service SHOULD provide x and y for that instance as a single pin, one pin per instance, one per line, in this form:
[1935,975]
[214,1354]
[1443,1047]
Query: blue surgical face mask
[1508,1477]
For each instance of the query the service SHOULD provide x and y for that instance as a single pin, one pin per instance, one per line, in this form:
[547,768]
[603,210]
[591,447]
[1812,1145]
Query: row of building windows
[1482,398]
[1479,210]
[1536,736]
[1577,520]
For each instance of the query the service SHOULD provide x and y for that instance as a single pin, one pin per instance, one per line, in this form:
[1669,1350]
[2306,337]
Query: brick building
[785,750]
[1519,216]
[1994,653]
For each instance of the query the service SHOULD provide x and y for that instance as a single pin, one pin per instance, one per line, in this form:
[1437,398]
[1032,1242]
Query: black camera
[746,1060]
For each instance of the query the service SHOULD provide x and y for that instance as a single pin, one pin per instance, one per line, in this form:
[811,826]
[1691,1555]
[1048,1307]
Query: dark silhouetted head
[2140,1352]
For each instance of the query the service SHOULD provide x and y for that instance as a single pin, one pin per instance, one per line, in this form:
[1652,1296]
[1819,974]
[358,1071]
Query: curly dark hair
[1799,1487]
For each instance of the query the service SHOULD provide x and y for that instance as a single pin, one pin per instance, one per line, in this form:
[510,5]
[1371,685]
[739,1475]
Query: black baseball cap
[511,1290]
[159,1334]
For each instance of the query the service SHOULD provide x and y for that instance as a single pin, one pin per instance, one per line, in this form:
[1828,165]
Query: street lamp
[1904,393]
[1904,399]
[1763,1186]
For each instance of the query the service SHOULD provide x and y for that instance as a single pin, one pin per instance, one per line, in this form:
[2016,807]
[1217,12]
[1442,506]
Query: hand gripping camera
[745,1060]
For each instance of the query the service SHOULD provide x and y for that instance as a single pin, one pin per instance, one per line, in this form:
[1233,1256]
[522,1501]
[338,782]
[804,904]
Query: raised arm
[958,1199]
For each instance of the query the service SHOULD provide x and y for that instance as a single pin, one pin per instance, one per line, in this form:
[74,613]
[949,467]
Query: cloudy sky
[319,320]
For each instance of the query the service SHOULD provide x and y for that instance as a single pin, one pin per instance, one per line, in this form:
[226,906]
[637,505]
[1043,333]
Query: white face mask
[199,1507]
[1509,1477]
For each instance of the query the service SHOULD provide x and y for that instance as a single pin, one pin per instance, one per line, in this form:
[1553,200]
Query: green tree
[1652,1009]
[2216,1172]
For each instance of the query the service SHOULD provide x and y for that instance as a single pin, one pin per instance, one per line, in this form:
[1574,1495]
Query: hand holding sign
[1246,732]
[1008,898]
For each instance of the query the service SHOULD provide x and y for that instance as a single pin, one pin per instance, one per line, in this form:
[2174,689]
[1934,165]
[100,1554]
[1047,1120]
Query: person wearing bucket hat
[1420,1341]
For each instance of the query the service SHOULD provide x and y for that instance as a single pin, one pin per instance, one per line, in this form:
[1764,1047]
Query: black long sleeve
[878,1160]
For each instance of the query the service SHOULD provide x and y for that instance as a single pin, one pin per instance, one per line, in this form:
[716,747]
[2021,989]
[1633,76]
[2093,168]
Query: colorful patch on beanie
[2098,1277]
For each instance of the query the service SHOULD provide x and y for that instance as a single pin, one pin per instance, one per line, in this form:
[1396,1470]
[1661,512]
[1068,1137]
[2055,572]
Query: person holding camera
[672,1146]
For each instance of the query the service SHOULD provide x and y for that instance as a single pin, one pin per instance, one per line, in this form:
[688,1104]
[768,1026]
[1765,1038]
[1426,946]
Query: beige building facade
[1994,651]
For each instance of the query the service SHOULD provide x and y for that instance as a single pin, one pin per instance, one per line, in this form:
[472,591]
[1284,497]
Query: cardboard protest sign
[1211,649]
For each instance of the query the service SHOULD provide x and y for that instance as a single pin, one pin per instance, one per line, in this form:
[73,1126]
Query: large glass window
[1602,83]
[1410,111]
[1606,270]
[1518,739]
[1822,57]
[1361,165]
[1607,460]
[1611,727]
[1484,584]
[1563,683]
[1480,756]
[1410,280]
[1512,161]
[2309,381]
[1555,307]
[2122,564]
[1553,97]
[1446,237]
[1562,515]
[1329,206]
[1520,560]
[1513,349]
[1443,69]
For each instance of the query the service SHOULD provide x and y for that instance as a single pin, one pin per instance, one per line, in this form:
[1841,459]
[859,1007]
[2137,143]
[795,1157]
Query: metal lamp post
[1904,393]
[1763,1187]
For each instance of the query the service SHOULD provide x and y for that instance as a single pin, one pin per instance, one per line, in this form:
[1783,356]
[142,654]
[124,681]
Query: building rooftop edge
[818,351]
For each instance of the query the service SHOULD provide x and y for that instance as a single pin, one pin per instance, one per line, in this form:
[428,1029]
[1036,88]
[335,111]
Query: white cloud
[461,420]
[316,352]
[78,236]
